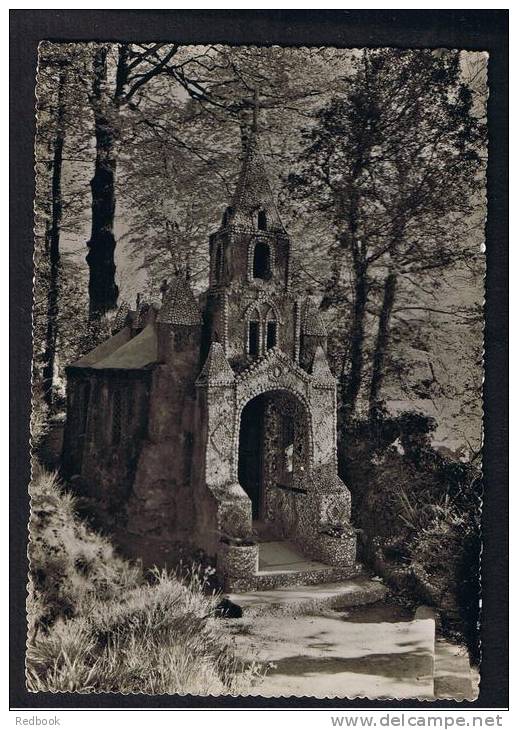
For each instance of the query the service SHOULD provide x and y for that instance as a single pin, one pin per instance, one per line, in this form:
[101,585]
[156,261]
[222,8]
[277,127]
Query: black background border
[467,29]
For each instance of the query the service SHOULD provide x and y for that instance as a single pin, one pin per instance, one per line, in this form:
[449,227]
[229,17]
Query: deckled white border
[426,700]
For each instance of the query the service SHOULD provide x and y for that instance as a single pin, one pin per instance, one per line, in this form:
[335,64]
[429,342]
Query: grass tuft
[96,624]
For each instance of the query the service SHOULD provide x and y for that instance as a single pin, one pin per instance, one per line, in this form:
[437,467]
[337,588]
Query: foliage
[422,510]
[61,145]
[177,118]
[40,425]
[98,624]
[395,160]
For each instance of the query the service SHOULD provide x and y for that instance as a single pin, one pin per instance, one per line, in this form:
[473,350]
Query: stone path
[454,679]
[374,651]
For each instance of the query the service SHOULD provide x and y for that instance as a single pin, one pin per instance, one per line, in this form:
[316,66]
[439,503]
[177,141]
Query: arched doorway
[274,455]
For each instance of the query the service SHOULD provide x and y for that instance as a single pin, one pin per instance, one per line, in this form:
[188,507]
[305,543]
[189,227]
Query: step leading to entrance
[282,564]
[340,594]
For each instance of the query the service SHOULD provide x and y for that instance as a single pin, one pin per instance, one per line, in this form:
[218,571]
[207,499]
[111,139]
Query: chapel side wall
[161,501]
[116,425]
[73,436]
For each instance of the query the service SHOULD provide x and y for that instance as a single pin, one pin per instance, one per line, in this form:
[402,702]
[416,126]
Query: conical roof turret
[216,370]
[179,305]
[253,204]
[313,323]
[321,370]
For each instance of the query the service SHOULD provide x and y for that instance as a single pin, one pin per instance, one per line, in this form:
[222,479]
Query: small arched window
[254,337]
[217,263]
[261,263]
[262,220]
[271,334]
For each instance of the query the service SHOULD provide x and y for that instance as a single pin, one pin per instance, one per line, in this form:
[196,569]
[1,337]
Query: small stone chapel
[212,424]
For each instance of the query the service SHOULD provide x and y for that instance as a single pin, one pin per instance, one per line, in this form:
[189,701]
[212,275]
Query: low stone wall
[339,551]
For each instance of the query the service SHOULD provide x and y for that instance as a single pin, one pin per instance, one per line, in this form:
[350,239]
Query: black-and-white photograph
[257,371]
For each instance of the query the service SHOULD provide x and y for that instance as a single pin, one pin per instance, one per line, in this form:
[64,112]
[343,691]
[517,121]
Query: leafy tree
[180,161]
[60,100]
[395,159]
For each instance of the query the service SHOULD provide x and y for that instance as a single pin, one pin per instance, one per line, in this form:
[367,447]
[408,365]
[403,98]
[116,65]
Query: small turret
[121,318]
[179,324]
[313,335]
[216,370]
[320,369]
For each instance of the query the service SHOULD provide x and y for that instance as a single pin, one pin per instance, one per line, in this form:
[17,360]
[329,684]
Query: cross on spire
[253,192]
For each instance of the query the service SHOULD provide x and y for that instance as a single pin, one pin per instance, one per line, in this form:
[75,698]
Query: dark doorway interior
[250,464]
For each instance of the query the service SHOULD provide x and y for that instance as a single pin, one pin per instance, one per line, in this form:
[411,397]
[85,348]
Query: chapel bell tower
[250,260]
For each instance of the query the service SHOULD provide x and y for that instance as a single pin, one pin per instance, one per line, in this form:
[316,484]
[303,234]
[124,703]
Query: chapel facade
[212,423]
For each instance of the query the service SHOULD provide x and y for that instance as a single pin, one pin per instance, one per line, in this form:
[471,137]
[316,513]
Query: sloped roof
[137,353]
[104,349]
[253,191]
[179,305]
[217,370]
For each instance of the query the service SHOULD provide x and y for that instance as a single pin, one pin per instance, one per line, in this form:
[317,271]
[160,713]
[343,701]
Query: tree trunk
[54,231]
[382,341]
[102,289]
[357,338]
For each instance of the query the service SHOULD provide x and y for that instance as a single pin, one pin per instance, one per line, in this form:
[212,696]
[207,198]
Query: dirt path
[371,651]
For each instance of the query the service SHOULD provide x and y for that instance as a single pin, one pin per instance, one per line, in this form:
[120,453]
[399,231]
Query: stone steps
[340,594]
[281,564]
[271,579]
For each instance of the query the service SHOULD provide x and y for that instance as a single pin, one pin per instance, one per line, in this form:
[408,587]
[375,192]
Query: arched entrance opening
[274,454]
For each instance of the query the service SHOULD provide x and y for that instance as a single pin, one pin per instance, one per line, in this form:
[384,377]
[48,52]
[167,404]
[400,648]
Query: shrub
[421,509]
[445,557]
[97,624]
[40,415]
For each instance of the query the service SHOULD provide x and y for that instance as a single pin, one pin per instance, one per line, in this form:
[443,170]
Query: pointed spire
[141,315]
[121,317]
[253,204]
[217,370]
[321,370]
[179,305]
[313,323]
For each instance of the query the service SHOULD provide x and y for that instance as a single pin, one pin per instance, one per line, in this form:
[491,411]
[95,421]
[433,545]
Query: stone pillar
[224,510]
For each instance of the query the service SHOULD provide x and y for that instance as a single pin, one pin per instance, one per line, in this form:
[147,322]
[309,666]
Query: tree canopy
[377,159]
